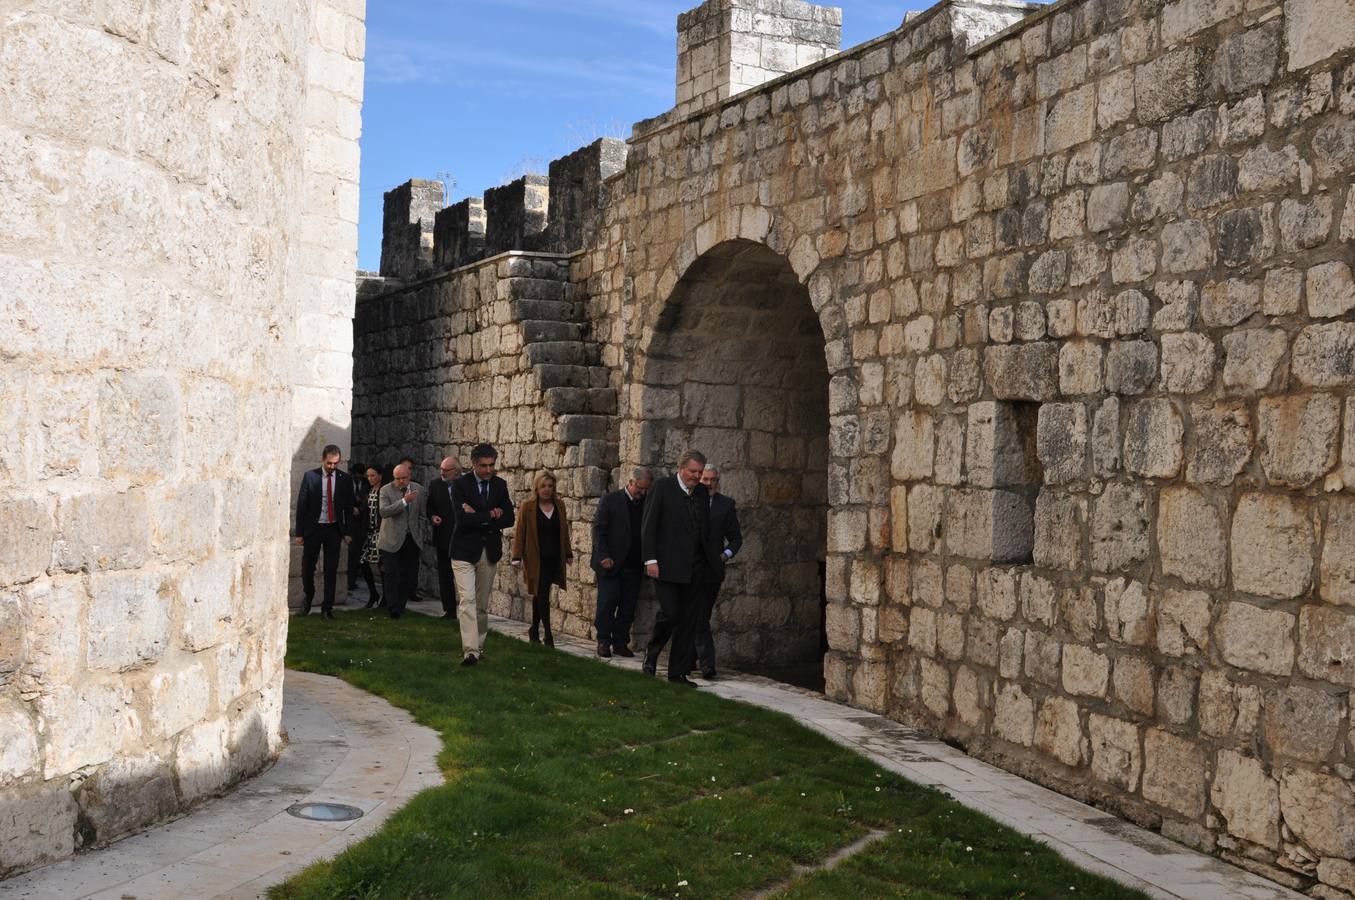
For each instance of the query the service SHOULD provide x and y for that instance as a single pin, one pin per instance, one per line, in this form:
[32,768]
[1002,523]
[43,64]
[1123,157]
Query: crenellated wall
[1080,279]
[168,285]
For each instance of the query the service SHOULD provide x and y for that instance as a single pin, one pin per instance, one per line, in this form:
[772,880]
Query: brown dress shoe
[623,650]
[604,650]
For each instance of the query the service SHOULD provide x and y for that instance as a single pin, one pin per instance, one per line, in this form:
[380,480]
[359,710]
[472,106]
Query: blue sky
[489,89]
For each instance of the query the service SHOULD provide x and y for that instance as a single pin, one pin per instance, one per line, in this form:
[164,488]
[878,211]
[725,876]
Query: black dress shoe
[604,650]
[682,679]
[327,614]
[395,614]
[449,615]
[469,660]
[648,668]
[549,640]
[623,650]
[708,674]
[306,606]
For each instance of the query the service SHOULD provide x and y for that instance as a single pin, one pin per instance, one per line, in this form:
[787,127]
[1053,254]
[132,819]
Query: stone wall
[150,251]
[1084,294]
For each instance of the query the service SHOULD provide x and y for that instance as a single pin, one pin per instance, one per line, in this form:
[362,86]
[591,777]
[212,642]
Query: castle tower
[729,46]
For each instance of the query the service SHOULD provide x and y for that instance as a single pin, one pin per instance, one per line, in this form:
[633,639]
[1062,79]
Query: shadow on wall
[126,795]
[305,457]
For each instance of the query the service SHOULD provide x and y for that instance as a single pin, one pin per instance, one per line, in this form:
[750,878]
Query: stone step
[537,289]
[538,330]
[559,353]
[561,400]
[555,376]
[543,310]
[571,429]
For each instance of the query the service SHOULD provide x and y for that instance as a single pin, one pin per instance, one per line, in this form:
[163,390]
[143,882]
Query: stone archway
[735,367]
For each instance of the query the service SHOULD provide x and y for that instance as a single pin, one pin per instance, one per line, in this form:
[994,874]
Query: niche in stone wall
[993,518]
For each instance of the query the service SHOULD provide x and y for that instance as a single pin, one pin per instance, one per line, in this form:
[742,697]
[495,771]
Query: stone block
[202,760]
[1153,439]
[1336,576]
[1061,442]
[1256,639]
[1247,59]
[1229,303]
[998,451]
[178,699]
[1107,206]
[1316,30]
[1169,84]
[1080,368]
[1220,443]
[1115,754]
[1129,612]
[1190,538]
[1058,731]
[1183,620]
[1119,531]
[1327,645]
[19,755]
[1187,363]
[914,446]
[1331,291]
[1272,546]
[1320,810]
[140,435]
[27,532]
[88,544]
[1301,722]
[1022,371]
[1298,437]
[1106,438]
[991,525]
[1014,718]
[925,505]
[38,825]
[1131,367]
[1085,672]
[1252,356]
[85,724]
[1059,523]
[128,620]
[1174,772]
[1324,355]
[125,794]
[1176,695]
[1247,798]
[1132,684]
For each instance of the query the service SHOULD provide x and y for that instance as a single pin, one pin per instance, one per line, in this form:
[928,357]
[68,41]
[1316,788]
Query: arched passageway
[736,369]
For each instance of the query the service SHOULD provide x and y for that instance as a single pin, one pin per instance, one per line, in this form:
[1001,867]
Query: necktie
[484,491]
[329,496]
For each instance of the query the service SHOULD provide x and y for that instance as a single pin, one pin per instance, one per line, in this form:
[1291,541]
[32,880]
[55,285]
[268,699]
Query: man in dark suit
[485,509]
[617,562]
[727,538]
[675,543]
[442,514]
[324,515]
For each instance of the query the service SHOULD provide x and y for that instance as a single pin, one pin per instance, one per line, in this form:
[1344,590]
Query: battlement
[555,213]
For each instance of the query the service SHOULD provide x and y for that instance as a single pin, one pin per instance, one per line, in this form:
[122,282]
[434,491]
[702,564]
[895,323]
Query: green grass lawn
[568,778]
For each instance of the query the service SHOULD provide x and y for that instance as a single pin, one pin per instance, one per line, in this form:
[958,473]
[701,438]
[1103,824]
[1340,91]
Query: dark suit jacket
[310,500]
[725,533]
[663,531]
[440,504]
[360,492]
[476,532]
[611,532]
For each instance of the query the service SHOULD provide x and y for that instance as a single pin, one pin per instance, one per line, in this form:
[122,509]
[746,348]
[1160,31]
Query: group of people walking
[678,532]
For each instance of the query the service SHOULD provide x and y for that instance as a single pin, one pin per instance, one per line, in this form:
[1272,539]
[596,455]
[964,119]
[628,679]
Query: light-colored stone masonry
[1085,297]
[175,243]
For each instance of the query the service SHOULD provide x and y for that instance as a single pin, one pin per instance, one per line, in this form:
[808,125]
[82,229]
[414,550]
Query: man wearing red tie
[323,521]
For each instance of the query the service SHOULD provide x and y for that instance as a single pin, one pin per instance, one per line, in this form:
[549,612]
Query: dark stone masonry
[1023,336]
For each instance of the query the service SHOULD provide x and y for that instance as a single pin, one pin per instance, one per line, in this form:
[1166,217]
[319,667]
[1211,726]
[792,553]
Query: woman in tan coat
[541,549]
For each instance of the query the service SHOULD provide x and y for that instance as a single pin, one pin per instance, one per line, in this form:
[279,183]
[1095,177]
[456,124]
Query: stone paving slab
[345,746]
[1088,837]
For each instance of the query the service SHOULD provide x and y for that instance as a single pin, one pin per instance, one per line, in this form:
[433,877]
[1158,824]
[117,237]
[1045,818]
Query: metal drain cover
[325,812]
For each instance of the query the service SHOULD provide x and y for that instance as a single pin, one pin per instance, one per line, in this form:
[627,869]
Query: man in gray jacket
[399,539]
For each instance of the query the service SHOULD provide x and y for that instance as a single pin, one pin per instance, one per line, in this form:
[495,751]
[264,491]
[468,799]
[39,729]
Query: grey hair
[641,474]
[712,467]
[691,456]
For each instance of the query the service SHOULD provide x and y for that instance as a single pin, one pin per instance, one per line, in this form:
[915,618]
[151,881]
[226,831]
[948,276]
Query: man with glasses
[442,515]
[323,522]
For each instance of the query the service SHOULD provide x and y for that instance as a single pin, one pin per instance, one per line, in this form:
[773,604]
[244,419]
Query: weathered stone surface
[1190,538]
[127,794]
[1301,722]
[1022,371]
[1272,546]
[1131,367]
[1119,532]
[1187,363]
[1014,719]
[1220,443]
[1061,442]
[1256,639]
[1247,798]
[1153,439]
[1251,357]
[1324,355]
[1116,757]
[1183,620]
[18,742]
[1059,520]
[992,525]
[1327,644]
[1336,578]
[38,826]
[1173,772]
[25,540]
[1085,672]
[1129,612]
[1320,810]
[1298,437]
[1058,731]
[1316,30]
[1331,291]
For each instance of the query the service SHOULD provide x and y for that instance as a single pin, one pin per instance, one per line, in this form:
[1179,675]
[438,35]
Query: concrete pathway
[346,746]
[1089,837]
